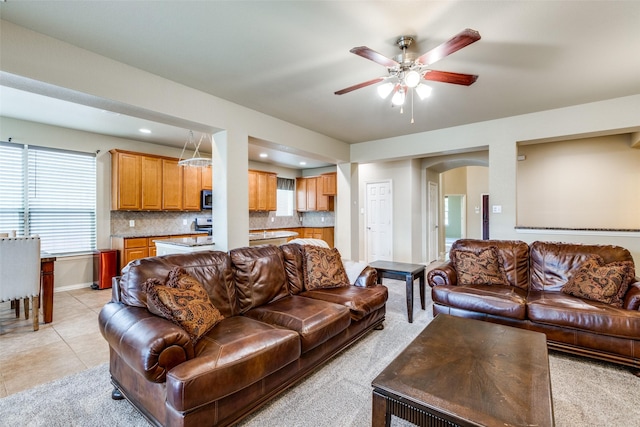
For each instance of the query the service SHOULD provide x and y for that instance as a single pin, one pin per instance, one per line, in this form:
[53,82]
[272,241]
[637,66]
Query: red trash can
[105,265]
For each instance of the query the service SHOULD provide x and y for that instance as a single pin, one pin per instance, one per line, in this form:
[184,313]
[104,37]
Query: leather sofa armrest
[632,299]
[368,278]
[442,275]
[148,343]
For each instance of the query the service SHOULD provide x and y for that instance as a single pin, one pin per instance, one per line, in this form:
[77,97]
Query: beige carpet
[585,393]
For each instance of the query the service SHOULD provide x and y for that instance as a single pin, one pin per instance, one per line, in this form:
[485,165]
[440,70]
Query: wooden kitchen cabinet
[191,187]
[206,178]
[126,181]
[311,195]
[301,194]
[322,233]
[132,248]
[329,185]
[171,185]
[262,191]
[153,183]
[151,176]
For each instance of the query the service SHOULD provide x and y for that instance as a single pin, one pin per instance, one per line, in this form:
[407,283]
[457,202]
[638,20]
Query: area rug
[585,393]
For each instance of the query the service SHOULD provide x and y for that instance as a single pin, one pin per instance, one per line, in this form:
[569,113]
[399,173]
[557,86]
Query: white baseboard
[72,287]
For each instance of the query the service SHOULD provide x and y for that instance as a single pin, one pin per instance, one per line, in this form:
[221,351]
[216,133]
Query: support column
[230,157]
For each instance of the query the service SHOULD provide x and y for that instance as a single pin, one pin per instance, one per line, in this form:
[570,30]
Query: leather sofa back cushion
[552,264]
[211,268]
[293,264]
[514,255]
[259,274]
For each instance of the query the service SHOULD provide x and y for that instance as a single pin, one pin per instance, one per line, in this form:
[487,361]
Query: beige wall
[582,183]
[501,137]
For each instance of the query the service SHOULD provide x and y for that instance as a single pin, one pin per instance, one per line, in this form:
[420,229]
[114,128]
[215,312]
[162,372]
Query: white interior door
[378,233]
[433,221]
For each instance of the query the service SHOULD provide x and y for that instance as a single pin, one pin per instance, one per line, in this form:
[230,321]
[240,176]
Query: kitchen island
[270,237]
[182,245]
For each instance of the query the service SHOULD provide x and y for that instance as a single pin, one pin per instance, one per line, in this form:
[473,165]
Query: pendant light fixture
[196,160]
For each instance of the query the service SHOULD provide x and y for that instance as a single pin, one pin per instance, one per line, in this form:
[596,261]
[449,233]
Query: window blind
[12,188]
[57,200]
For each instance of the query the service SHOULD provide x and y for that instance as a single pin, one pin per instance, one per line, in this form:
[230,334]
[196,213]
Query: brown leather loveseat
[547,287]
[276,329]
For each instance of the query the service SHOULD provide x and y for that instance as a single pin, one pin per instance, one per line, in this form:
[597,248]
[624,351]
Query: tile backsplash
[152,223]
[160,223]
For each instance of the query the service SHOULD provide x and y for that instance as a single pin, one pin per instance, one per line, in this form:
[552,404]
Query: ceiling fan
[406,71]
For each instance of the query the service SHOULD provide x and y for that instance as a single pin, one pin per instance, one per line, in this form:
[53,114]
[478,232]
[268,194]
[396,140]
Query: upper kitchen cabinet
[126,181]
[153,183]
[171,185]
[262,191]
[207,178]
[315,193]
[329,186]
[151,176]
[191,186]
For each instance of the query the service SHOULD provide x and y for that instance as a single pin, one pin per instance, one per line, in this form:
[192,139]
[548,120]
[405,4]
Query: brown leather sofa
[274,333]
[533,298]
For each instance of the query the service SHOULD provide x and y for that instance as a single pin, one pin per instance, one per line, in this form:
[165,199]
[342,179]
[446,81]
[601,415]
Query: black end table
[406,272]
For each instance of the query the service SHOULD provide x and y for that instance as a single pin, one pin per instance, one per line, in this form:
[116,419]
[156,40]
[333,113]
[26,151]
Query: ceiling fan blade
[359,86]
[447,77]
[457,42]
[374,56]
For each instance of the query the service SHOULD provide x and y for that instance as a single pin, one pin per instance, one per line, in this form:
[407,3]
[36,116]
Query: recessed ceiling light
[264,155]
[303,163]
[144,130]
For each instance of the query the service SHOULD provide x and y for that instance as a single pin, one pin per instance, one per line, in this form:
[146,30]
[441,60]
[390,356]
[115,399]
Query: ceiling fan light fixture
[385,89]
[412,78]
[398,97]
[423,91]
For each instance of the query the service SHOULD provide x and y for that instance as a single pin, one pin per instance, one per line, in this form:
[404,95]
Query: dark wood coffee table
[403,271]
[463,372]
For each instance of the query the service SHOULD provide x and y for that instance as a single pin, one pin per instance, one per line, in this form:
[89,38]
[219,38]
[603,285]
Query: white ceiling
[287,58]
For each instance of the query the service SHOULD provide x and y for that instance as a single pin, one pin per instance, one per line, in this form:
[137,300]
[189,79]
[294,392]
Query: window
[284,194]
[50,193]
[446,210]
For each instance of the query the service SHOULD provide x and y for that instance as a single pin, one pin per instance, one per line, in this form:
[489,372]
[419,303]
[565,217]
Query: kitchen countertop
[149,234]
[188,241]
[268,235]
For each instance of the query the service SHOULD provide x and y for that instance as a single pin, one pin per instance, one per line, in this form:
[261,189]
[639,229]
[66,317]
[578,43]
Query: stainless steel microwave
[206,199]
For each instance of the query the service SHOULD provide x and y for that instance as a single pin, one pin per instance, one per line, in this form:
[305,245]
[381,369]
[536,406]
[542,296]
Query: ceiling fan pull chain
[412,106]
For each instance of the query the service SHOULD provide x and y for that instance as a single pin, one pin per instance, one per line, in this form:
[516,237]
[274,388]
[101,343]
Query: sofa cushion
[560,309]
[211,268]
[478,266]
[323,268]
[514,255]
[316,321]
[238,352]
[259,274]
[552,263]
[184,301]
[360,301]
[505,301]
[293,264]
[607,283]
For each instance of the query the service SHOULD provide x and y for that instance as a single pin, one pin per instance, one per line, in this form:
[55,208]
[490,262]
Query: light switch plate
[497,208]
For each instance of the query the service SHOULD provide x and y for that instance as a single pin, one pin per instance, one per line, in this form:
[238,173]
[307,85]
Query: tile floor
[70,344]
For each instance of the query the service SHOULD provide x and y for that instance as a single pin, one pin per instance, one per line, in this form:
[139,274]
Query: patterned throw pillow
[483,267]
[596,281]
[184,301]
[323,268]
